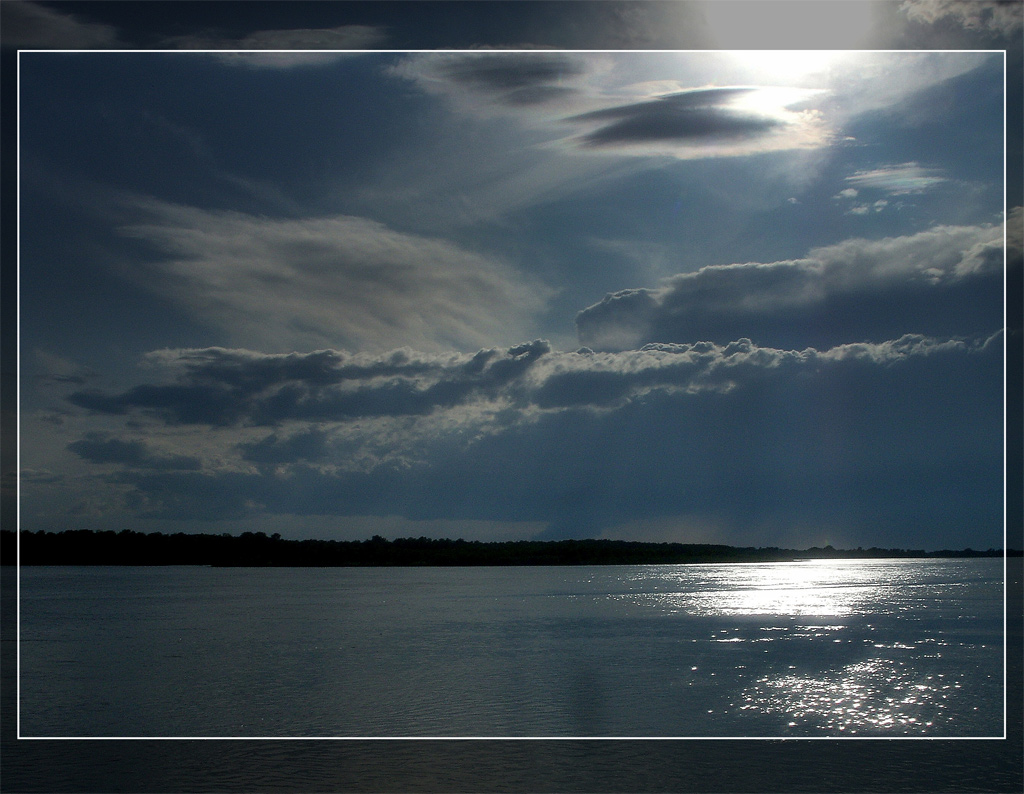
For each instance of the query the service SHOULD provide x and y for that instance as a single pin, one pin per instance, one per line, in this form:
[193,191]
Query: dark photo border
[474,765]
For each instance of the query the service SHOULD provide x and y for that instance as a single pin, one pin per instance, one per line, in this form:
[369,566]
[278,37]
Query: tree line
[128,547]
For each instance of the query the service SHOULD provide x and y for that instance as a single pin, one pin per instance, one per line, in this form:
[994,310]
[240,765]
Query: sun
[787,66]
[770,40]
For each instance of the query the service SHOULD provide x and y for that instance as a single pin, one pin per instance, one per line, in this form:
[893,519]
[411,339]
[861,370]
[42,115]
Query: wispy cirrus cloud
[339,281]
[298,47]
[514,79]
[888,181]
[897,180]
[281,60]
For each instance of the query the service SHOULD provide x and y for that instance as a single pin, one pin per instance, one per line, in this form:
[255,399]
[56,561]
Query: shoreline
[88,547]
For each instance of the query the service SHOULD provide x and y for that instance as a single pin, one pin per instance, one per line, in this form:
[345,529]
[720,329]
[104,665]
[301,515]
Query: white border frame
[828,738]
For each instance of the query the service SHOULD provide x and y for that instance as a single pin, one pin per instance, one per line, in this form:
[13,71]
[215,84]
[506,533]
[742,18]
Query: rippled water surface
[852,648]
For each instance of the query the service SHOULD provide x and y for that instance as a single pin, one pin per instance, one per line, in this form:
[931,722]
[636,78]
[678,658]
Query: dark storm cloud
[309,445]
[904,436]
[699,114]
[612,379]
[782,435]
[98,447]
[178,404]
[947,281]
[222,387]
[185,495]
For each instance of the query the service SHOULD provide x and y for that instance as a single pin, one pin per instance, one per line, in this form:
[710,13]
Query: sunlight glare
[821,588]
[787,66]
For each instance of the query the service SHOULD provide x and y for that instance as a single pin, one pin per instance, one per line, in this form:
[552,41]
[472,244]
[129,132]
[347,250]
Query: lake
[858,648]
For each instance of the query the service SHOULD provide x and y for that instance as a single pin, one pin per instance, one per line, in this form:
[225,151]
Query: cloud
[1015,231]
[697,113]
[862,208]
[905,179]
[606,108]
[99,447]
[219,387]
[547,91]
[280,60]
[342,281]
[509,78]
[310,46]
[997,17]
[51,368]
[310,444]
[514,80]
[216,386]
[946,281]
[712,121]
[896,180]
[29,25]
[868,439]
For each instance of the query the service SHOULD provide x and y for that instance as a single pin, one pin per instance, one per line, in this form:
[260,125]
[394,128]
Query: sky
[594,270]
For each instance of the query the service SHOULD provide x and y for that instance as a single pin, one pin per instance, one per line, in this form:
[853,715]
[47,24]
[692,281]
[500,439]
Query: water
[909,648]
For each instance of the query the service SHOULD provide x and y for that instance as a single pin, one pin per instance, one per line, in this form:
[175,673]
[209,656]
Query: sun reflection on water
[872,696]
[840,648]
[824,588]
